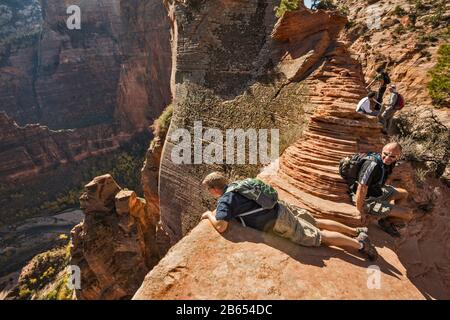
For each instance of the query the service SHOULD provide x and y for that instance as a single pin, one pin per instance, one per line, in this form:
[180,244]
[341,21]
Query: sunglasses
[389,155]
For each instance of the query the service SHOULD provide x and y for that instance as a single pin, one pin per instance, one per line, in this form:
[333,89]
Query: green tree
[439,86]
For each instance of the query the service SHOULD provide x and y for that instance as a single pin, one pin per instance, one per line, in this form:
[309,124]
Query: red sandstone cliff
[103,82]
[78,94]
[307,176]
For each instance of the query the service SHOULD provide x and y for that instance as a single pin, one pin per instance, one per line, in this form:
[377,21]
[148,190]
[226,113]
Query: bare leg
[400,196]
[332,238]
[402,213]
[335,226]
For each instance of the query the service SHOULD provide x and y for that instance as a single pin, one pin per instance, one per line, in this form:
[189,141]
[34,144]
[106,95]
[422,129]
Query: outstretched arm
[220,225]
[361,193]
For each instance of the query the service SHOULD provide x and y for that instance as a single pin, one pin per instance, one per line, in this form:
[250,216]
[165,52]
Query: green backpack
[256,190]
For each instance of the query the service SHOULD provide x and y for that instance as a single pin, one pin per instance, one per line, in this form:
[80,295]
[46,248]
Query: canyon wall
[229,73]
[78,94]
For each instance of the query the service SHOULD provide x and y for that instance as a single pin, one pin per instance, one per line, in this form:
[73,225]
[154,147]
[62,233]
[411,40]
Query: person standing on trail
[383,78]
[388,111]
[256,205]
[367,105]
[366,176]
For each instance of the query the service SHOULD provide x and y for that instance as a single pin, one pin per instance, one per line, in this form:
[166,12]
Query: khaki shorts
[297,225]
[379,207]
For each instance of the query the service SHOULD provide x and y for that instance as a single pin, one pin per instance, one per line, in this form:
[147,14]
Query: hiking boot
[368,248]
[389,228]
[362,230]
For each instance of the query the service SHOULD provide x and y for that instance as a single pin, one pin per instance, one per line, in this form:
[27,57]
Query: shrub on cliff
[161,125]
[286,5]
[439,86]
[44,277]
[425,142]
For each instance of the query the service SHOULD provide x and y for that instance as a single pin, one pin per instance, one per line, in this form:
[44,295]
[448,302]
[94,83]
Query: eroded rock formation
[333,82]
[256,84]
[116,68]
[115,245]
[33,149]
[77,94]
[308,173]
[247,264]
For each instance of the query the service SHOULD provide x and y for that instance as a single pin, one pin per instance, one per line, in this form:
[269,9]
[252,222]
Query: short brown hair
[215,180]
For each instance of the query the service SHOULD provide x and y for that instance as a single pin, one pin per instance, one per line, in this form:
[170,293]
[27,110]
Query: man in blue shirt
[285,220]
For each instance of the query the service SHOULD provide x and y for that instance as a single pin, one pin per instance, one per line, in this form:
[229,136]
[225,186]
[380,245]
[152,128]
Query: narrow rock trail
[308,170]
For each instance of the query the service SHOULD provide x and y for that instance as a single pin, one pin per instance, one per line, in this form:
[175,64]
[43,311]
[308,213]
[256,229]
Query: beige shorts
[297,225]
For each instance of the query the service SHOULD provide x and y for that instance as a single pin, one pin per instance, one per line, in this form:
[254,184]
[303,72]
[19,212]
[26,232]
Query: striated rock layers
[330,81]
[232,69]
[308,170]
[247,264]
[33,149]
[78,94]
[115,245]
[116,68]
[109,80]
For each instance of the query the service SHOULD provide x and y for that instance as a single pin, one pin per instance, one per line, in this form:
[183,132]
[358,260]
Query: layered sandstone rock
[115,69]
[308,170]
[109,79]
[115,245]
[33,149]
[424,248]
[247,264]
[77,94]
[263,83]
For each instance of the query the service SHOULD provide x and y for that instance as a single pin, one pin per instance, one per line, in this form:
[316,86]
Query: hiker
[256,205]
[388,111]
[367,105]
[366,176]
[383,78]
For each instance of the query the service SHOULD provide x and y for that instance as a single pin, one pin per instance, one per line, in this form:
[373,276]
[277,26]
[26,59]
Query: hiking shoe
[368,248]
[362,230]
[389,228]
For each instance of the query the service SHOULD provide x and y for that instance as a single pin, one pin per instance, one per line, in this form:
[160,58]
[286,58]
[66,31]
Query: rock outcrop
[247,264]
[115,245]
[403,35]
[308,170]
[33,149]
[265,83]
[332,81]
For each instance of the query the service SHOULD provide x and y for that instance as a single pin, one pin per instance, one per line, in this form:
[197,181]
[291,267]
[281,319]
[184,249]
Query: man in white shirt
[366,103]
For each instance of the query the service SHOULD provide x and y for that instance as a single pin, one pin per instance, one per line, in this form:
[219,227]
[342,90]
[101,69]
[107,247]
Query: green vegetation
[428,38]
[399,11]
[61,290]
[438,17]
[399,30]
[161,125]
[419,6]
[45,277]
[439,86]
[425,142]
[286,5]
[344,10]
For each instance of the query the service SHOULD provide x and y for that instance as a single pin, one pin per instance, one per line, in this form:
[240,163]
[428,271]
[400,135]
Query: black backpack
[350,166]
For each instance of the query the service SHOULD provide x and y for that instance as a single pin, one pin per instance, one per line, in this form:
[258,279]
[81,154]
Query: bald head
[391,153]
